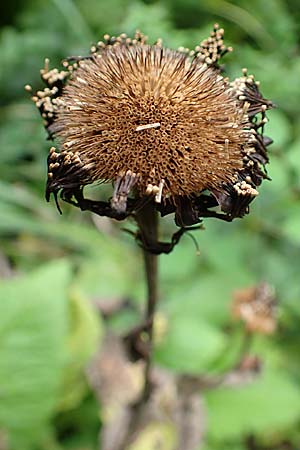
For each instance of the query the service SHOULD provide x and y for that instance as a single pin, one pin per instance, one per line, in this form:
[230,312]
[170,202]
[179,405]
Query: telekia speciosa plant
[164,126]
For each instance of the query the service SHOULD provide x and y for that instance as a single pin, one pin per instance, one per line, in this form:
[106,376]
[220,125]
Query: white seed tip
[159,193]
[149,189]
[148,126]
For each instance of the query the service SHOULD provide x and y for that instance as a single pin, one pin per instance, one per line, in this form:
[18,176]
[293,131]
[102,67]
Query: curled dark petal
[224,200]
[241,204]
[123,186]
[257,157]
[260,146]
[186,212]
[55,195]
[256,101]
[166,207]
[234,203]
[204,202]
[65,171]
[267,140]
[75,197]
[256,106]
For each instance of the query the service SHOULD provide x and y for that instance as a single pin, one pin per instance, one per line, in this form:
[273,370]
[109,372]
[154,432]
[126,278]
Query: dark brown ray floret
[157,123]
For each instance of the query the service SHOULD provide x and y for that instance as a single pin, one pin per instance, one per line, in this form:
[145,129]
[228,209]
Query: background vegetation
[56,270]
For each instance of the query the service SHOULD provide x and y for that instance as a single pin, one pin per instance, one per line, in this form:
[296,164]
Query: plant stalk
[147,221]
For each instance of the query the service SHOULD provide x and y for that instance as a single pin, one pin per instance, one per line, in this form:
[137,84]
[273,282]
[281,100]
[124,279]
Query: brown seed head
[153,111]
[160,122]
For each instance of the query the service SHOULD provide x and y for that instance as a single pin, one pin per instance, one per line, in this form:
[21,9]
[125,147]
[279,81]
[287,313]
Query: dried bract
[159,124]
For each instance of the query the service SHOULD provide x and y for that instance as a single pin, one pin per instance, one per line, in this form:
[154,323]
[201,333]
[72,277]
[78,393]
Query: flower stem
[151,269]
[148,228]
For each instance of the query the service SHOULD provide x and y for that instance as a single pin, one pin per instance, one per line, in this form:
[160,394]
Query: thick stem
[151,269]
[147,221]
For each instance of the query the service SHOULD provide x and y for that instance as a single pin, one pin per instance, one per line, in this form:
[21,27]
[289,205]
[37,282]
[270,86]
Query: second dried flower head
[161,125]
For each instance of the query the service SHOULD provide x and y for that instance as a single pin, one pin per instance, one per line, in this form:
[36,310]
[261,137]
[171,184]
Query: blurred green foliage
[55,265]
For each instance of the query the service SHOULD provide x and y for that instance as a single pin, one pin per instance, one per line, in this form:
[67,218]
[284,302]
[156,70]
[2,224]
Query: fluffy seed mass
[155,122]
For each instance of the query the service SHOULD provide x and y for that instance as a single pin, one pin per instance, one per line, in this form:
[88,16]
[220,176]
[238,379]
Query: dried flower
[256,306]
[159,124]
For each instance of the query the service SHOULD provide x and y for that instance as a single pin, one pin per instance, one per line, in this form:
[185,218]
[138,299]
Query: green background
[52,266]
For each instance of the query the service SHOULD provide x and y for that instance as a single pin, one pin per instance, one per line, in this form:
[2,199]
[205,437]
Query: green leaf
[190,344]
[85,333]
[109,274]
[33,325]
[206,298]
[290,226]
[270,403]
[278,128]
[223,446]
[181,262]
[292,158]
[203,285]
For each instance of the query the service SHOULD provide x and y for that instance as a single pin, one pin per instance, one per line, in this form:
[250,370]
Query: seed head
[156,123]
[256,307]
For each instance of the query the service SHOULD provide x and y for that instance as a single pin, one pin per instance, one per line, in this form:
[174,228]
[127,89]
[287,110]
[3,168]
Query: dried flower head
[157,123]
[256,306]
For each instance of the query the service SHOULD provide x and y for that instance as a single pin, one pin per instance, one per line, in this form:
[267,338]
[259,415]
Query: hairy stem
[147,221]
